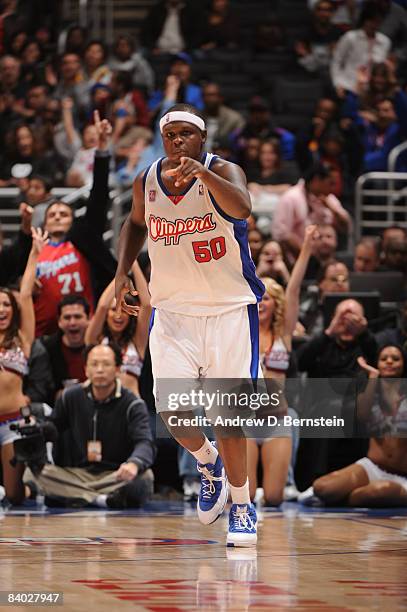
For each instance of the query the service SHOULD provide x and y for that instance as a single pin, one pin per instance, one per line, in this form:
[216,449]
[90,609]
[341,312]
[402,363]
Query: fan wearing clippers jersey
[193,206]
[76,259]
[278,315]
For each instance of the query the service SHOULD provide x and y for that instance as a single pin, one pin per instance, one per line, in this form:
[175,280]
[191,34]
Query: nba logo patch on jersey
[201,189]
[151,195]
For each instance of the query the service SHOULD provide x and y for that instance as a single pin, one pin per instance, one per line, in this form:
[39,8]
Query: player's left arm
[226,182]
[228,185]
[143,318]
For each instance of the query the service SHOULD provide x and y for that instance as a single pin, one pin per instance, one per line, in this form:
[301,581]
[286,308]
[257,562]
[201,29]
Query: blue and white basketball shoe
[242,526]
[214,491]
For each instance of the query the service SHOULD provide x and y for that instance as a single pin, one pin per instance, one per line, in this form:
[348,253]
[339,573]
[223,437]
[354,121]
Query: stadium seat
[389,284]
[294,94]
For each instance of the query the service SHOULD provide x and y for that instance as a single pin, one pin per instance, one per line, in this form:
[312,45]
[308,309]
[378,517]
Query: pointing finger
[173,171]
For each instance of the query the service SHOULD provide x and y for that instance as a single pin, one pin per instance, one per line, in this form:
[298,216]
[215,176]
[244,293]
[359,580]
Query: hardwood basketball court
[162,558]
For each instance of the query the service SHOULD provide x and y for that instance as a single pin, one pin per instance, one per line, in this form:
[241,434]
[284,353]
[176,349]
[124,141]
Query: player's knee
[177,427]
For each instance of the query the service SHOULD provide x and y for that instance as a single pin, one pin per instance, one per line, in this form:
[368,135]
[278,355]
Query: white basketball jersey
[200,258]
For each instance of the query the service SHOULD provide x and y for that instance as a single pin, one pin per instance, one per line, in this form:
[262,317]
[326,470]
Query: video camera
[31,449]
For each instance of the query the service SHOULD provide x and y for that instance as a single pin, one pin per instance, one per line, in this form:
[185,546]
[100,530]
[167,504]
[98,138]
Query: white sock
[240,495]
[206,454]
[101,501]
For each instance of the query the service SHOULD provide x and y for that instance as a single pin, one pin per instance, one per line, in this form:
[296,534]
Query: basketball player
[204,289]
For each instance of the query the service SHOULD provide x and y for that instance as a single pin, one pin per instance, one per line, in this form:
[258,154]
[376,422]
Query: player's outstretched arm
[226,182]
[132,237]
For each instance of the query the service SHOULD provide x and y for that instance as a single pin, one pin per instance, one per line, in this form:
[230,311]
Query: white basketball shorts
[225,346]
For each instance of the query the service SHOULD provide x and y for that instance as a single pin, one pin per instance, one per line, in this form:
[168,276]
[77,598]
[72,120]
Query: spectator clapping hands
[372,372]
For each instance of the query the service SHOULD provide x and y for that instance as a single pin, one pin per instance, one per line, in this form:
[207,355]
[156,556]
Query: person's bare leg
[252,465]
[275,460]
[233,451]
[190,437]
[192,444]
[379,494]
[337,486]
[12,476]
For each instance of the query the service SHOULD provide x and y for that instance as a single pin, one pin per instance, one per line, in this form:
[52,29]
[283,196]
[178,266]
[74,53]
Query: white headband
[182,116]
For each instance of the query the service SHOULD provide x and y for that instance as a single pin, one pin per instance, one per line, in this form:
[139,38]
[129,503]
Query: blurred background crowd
[307,96]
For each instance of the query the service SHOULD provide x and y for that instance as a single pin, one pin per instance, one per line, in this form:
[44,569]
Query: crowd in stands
[76,113]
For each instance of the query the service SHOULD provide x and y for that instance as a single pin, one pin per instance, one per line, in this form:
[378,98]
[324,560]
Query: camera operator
[109,446]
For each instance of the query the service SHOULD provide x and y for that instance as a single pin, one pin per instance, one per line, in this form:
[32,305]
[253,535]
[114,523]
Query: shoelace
[208,488]
[242,520]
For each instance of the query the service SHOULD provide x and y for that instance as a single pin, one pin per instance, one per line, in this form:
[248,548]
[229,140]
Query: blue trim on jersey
[222,213]
[253,312]
[147,170]
[248,267]
[163,187]
[214,159]
[151,324]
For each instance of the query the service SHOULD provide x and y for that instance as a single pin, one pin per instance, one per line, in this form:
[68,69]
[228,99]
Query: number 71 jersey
[200,258]
[61,270]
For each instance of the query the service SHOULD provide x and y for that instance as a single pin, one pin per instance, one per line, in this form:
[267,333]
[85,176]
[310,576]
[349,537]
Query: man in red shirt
[65,347]
[76,259]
